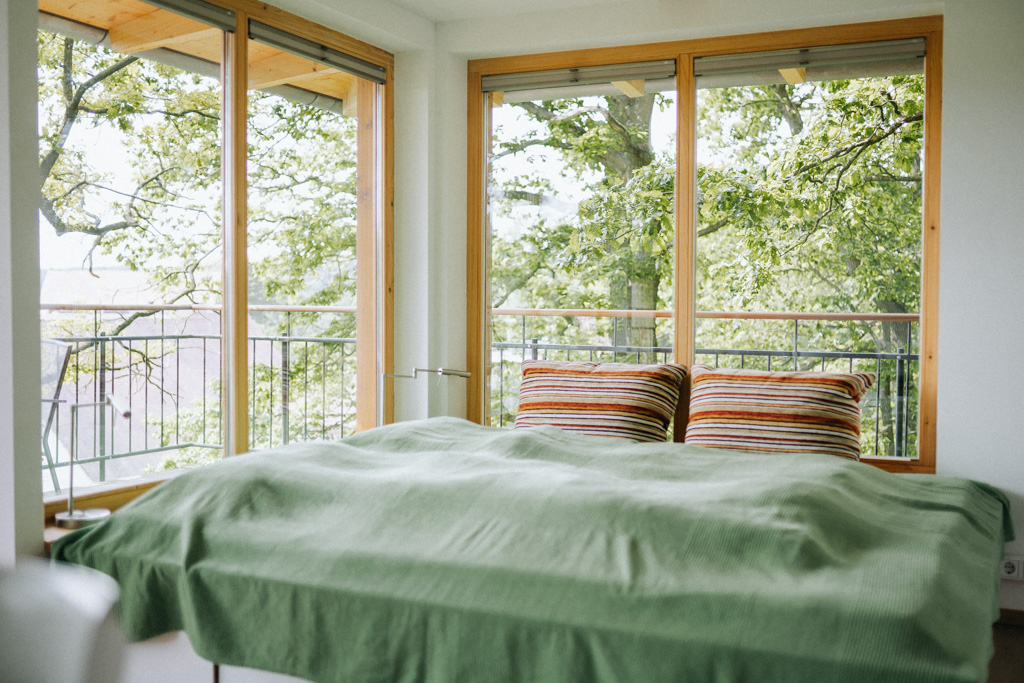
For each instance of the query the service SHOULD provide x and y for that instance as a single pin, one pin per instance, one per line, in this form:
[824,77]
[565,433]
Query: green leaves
[160,211]
[844,190]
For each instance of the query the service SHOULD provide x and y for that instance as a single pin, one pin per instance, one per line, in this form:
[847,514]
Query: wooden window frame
[375,230]
[684,52]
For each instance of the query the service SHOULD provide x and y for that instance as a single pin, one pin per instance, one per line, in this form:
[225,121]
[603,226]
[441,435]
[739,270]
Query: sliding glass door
[131,241]
[313,217]
[211,229]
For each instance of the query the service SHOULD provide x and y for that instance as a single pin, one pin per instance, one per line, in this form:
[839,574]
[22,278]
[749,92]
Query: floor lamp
[75,519]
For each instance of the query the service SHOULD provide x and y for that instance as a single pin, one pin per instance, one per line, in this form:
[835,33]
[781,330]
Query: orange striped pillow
[602,399]
[790,412]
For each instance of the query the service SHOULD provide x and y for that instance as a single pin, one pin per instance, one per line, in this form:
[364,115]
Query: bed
[441,550]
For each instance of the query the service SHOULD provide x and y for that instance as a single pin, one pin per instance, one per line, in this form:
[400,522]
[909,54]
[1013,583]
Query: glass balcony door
[130,239]
[580,216]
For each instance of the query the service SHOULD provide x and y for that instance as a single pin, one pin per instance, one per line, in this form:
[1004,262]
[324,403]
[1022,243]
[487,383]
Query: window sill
[111,496]
[900,465]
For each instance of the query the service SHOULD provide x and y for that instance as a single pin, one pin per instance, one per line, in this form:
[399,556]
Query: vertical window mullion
[367,216]
[684,304]
[235,298]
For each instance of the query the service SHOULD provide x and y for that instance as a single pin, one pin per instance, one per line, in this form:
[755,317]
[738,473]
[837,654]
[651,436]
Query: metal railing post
[285,381]
[534,341]
[102,408]
[796,344]
[901,400]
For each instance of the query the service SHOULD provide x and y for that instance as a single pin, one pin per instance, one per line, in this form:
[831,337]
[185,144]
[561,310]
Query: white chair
[57,625]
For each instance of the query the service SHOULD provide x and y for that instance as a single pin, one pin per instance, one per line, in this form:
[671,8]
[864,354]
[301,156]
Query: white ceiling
[451,10]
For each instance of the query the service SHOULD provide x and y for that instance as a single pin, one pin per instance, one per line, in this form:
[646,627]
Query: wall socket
[1012,568]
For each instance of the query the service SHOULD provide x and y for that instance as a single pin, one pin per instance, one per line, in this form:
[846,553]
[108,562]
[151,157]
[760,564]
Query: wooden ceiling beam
[633,88]
[794,76]
[98,13]
[284,68]
[159,28]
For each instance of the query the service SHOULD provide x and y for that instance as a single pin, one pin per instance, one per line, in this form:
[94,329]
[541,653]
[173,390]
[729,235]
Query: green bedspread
[444,551]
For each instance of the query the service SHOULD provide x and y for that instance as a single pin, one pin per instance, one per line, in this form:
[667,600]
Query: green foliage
[809,200]
[828,219]
[165,124]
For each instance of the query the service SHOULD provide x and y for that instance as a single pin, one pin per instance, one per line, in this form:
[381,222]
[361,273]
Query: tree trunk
[894,338]
[636,288]
[644,296]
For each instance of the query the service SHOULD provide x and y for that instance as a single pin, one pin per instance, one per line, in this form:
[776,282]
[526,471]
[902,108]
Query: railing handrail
[572,312]
[122,338]
[780,353]
[272,308]
[717,315]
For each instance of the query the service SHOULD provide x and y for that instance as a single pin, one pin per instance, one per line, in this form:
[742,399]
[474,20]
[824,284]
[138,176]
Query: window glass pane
[304,163]
[130,240]
[580,195]
[809,228]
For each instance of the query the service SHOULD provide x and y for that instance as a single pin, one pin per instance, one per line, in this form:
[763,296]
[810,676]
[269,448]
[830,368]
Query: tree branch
[886,178]
[789,109]
[73,103]
[519,282]
[175,114]
[49,211]
[515,147]
[537,110]
[126,322]
[714,227]
[859,144]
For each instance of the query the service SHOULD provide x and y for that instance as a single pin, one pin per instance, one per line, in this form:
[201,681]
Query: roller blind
[588,80]
[215,16]
[861,60]
[315,52]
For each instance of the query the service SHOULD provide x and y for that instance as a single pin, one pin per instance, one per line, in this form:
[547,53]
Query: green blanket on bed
[444,551]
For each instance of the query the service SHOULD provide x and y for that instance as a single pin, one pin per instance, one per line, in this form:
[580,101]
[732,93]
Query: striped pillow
[602,399]
[789,412]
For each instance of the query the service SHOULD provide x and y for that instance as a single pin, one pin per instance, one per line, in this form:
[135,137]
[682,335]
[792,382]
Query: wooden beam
[685,281]
[338,84]
[235,320]
[350,101]
[794,76]
[631,88]
[496,99]
[98,13]
[282,68]
[367,220]
[304,28]
[929,353]
[477,303]
[386,262]
[159,28]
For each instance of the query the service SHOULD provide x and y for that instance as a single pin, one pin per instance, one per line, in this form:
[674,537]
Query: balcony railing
[889,413]
[165,362]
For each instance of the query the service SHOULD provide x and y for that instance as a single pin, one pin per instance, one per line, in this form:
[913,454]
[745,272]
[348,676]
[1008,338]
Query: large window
[210,222]
[803,229]
[809,219]
[580,210]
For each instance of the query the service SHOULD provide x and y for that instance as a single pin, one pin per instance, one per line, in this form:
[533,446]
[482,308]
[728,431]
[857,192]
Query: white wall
[981,317]
[21,511]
